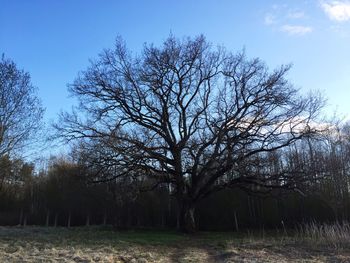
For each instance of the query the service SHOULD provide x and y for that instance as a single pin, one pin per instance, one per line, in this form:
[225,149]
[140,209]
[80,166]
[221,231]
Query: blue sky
[54,40]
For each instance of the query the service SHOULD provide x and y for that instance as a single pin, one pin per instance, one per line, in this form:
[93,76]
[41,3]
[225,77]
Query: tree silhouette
[187,115]
[20,109]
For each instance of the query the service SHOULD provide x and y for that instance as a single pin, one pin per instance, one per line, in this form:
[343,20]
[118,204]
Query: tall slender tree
[20,109]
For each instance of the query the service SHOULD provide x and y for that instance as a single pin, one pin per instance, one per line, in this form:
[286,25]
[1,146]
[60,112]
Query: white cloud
[282,18]
[340,30]
[269,20]
[337,10]
[296,30]
[296,15]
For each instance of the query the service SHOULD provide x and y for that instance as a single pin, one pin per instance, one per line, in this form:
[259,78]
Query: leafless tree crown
[186,114]
[20,110]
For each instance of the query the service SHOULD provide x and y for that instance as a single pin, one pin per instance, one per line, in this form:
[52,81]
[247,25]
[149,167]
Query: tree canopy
[188,115]
[20,109]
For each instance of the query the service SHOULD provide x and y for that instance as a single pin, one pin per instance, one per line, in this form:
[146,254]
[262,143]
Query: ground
[95,244]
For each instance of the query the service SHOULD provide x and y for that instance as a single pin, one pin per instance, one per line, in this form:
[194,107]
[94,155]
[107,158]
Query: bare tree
[188,115]
[20,109]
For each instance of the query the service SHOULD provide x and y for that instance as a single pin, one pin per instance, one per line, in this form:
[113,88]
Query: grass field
[39,244]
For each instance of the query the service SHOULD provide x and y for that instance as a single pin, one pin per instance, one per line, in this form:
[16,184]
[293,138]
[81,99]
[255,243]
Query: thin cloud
[338,29]
[296,15]
[296,30]
[269,20]
[337,10]
[282,18]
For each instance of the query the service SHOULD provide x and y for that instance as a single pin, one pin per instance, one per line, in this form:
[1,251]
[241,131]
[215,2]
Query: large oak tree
[188,115]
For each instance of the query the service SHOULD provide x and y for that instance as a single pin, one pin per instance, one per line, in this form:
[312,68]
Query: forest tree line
[63,194]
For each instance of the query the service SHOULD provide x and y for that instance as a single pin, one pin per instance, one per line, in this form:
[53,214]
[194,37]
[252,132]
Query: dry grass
[39,244]
[336,235]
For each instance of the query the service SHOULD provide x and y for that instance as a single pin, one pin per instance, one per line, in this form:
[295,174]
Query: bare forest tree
[190,116]
[20,109]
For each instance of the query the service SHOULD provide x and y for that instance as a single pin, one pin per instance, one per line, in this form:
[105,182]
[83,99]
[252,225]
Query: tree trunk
[56,218]
[236,221]
[163,220]
[47,218]
[69,219]
[87,219]
[187,221]
[105,218]
[25,220]
[21,217]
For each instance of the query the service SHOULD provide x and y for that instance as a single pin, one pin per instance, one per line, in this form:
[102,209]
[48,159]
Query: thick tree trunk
[186,217]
